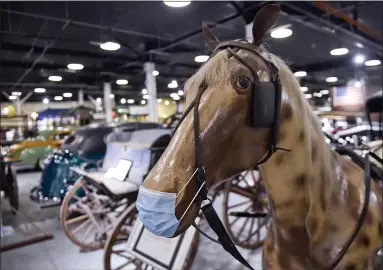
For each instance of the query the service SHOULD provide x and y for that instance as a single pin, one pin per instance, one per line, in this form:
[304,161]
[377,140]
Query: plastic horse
[315,195]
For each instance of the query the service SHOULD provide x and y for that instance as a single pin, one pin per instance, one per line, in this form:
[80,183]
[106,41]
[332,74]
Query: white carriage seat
[138,151]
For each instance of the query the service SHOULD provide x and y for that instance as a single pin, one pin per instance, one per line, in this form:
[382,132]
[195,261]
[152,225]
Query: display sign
[121,171]
[160,252]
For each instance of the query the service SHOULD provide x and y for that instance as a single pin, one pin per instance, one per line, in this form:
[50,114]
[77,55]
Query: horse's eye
[244,82]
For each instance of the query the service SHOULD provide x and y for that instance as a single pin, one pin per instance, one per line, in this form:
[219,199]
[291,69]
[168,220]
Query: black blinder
[264,104]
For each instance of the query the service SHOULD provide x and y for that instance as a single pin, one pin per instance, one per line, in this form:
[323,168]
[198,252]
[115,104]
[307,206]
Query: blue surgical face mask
[157,210]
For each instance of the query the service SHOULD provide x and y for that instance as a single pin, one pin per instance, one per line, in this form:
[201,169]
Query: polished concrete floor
[60,253]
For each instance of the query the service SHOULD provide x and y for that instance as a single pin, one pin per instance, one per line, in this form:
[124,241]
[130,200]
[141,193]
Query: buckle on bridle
[201,179]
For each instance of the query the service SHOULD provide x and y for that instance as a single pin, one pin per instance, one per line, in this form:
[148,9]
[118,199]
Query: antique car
[85,148]
[31,152]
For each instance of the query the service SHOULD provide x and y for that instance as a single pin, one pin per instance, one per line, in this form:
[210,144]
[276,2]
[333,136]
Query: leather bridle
[207,209]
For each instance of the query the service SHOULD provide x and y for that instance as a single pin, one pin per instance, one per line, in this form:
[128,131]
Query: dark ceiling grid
[172,49]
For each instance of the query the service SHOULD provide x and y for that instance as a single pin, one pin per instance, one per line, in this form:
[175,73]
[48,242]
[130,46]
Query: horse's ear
[265,19]
[210,39]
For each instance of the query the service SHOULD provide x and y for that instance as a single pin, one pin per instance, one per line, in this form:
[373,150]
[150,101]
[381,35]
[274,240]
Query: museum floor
[60,253]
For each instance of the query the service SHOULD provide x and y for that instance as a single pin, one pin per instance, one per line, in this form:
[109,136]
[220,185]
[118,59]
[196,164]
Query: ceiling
[39,39]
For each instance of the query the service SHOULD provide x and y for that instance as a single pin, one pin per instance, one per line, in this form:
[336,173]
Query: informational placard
[160,252]
[121,171]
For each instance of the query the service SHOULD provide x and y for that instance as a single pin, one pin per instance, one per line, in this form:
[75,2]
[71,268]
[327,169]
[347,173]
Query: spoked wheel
[87,217]
[115,255]
[246,210]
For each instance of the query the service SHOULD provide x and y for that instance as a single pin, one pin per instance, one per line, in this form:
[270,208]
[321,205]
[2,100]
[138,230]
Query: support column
[80,97]
[18,105]
[249,31]
[107,101]
[152,91]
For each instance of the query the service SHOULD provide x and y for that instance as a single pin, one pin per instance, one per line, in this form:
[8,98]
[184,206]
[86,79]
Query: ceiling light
[281,33]
[16,93]
[308,96]
[67,95]
[45,101]
[339,51]
[315,94]
[98,100]
[359,59]
[75,66]
[122,82]
[40,90]
[155,73]
[331,79]
[12,97]
[201,58]
[144,91]
[173,84]
[358,84]
[145,96]
[371,63]
[143,102]
[159,100]
[111,95]
[304,88]
[58,98]
[34,115]
[319,95]
[166,102]
[180,92]
[130,101]
[176,97]
[123,101]
[176,4]
[110,46]
[300,73]
[55,78]
[325,92]
[359,45]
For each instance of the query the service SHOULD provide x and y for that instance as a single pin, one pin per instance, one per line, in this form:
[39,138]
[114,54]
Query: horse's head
[230,141]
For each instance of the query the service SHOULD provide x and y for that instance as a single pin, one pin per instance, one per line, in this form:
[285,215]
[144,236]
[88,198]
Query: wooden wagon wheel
[85,225]
[115,255]
[245,194]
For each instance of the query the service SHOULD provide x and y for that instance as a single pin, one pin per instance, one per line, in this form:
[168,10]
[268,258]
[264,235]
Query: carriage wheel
[81,224]
[115,255]
[246,193]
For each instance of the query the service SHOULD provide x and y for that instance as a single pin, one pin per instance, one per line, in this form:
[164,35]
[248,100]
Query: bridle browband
[200,174]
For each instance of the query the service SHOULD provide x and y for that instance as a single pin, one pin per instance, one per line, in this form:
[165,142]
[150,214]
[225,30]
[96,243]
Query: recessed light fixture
[155,73]
[281,33]
[130,101]
[201,58]
[173,84]
[122,82]
[325,92]
[180,93]
[110,46]
[308,96]
[144,91]
[55,78]
[111,95]
[304,88]
[176,4]
[315,94]
[143,102]
[45,101]
[339,51]
[358,59]
[159,100]
[58,98]
[75,66]
[67,95]
[98,100]
[123,101]
[359,45]
[166,102]
[145,96]
[357,84]
[16,93]
[40,90]
[300,73]
[371,63]
[319,95]
[331,79]
[12,97]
